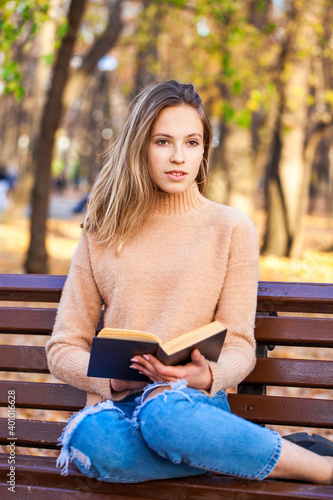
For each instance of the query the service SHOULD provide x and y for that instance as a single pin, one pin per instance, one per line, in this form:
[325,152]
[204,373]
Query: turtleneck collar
[170,204]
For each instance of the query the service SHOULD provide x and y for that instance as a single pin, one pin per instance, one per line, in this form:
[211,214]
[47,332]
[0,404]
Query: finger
[153,368]
[156,376]
[164,370]
[197,358]
[144,360]
[160,377]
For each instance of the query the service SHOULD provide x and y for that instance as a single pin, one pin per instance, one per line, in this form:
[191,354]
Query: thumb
[196,356]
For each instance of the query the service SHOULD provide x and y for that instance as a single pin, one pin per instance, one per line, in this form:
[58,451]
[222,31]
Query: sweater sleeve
[79,310]
[236,309]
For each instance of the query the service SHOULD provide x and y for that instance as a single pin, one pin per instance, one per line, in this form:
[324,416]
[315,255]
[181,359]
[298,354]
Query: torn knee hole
[81,457]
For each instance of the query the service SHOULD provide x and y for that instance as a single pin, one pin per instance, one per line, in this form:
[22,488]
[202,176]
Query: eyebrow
[170,136]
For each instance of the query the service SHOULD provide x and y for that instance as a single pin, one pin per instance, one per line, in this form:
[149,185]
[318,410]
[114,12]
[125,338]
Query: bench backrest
[251,402]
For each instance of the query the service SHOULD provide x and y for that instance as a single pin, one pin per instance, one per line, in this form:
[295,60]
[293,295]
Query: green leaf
[9,31]
[62,30]
[26,14]
[228,112]
[244,118]
[19,92]
[260,5]
[270,28]
[33,29]
[237,87]
[176,3]
[227,70]
[48,59]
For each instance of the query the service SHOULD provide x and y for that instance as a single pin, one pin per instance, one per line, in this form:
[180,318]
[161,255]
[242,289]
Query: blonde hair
[123,192]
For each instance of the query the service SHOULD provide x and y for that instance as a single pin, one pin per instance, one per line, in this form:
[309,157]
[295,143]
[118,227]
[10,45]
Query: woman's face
[176,148]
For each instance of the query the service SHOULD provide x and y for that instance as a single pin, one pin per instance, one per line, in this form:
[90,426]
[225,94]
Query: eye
[192,142]
[162,142]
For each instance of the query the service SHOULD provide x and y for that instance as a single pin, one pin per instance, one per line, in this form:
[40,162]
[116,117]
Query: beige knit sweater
[193,262]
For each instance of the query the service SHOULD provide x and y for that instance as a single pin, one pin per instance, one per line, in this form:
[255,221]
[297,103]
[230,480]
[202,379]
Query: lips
[176,175]
[176,172]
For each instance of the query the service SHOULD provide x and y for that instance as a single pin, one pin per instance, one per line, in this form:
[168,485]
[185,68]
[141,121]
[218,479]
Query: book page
[189,338]
[118,333]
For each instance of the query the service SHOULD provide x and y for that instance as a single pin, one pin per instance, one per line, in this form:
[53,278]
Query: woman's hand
[197,372]
[122,385]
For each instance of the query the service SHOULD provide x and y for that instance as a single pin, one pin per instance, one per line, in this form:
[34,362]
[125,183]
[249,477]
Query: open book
[112,349]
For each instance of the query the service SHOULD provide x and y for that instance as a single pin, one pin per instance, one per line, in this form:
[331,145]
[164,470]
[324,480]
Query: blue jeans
[178,432]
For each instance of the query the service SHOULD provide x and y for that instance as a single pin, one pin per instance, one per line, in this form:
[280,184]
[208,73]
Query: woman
[163,258]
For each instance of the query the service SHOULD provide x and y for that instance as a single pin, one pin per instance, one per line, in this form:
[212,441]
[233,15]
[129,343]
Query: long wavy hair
[123,192]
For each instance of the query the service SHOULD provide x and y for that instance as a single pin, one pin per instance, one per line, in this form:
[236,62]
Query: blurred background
[263,68]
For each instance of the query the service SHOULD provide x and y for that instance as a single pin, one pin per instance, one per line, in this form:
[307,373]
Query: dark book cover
[111,358]
[210,348]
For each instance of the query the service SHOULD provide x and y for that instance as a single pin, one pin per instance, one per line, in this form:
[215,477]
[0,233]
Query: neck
[170,204]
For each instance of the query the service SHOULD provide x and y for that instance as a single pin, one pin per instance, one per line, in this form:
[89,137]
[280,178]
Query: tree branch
[102,45]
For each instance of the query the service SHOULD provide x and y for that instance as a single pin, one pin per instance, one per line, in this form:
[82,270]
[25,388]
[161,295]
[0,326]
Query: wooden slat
[310,332]
[34,433]
[295,297]
[52,492]
[259,409]
[41,472]
[27,320]
[268,371]
[272,296]
[280,410]
[292,373]
[30,320]
[31,287]
[43,396]
[23,359]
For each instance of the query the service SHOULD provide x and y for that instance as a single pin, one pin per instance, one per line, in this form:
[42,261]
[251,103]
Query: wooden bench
[37,476]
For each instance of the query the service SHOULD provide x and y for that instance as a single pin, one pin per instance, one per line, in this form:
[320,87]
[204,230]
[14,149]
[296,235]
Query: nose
[177,156]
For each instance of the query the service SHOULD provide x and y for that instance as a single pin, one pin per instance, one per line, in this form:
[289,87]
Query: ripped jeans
[175,433]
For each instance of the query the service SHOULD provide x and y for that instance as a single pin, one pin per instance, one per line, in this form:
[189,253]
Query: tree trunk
[147,55]
[277,239]
[241,171]
[102,45]
[61,92]
[293,172]
[294,175]
[36,261]
[217,189]
[258,12]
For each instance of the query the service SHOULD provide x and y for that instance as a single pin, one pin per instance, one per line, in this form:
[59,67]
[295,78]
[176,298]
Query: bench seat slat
[279,410]
[43,474]
[31,287]
[295,297]
[259,409]
[36,321]
[292,373]
[37,395]
[52,491]
[23,359]
[268,371]
[35,433]
[310,332]
[272,296]
[27,320]
[314,332]
[290,331]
